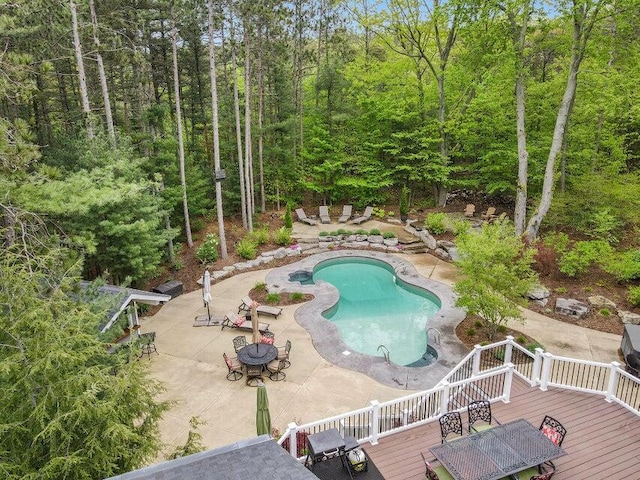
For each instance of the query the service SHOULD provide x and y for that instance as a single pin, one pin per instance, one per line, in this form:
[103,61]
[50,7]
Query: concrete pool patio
[191,367]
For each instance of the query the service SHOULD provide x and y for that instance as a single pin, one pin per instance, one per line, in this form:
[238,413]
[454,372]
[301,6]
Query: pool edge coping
[326,338]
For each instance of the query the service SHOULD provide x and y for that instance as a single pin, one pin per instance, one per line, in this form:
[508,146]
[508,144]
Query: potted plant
[404,204]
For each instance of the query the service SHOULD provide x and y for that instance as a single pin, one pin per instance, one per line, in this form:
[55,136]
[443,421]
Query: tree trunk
[260,115]
[247,129]
[183,181]
[216,137]
[82,79]
[583,21]
[103,77]
[519,38]
[236,107]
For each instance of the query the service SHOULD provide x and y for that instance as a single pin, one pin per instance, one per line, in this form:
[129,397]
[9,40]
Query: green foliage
[583,255]
[634,296]
[323,234]
[334,233]
[194,441]
[273,298]
[288,220]
[435,223]
[558,241]
[404,201]
[389,235]
[297,296]
[461,227]
[497,274]
[533,346]
[208,250]
[70,409]
[605,225]
[521,339]
[342,231]
[259,236]
[282,236]
[378,212]
[471,332]
[247,248]
[374,231]
[605,312]
[624,266]
[362,231]
[261,285]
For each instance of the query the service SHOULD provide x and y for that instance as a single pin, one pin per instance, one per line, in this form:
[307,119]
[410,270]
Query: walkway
[191,367]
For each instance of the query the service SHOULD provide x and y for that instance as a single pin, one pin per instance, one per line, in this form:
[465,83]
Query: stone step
[414,247]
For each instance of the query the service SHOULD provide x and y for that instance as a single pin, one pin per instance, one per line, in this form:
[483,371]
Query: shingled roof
[258,458]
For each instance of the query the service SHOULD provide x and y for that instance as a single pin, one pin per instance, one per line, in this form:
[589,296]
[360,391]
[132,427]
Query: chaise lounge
[302,217]
[324,214]
[233,320]
[365,216]
[245,306]
[346,214]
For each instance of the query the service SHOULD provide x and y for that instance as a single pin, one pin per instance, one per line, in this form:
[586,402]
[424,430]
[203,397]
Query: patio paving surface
[191,367]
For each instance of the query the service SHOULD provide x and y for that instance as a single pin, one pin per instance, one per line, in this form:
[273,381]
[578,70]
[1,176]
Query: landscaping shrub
[605,312]
[259,236]
[273,298]
[247,248]
[634,296]
[532,346]
[342,231]
[362,231]
[260,285]
[557,241]
[461,227]
[389,235]
[208,250]
[604,226]
[471,332]
[625,266]
[583,255]
[282,236]
[378,212]
[435,223]
[323,234]
[288,220]
[374,231]
[297,296]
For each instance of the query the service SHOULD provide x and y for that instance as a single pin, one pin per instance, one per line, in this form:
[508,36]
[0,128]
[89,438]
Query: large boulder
[571,308]
[428,240]
[629,317]
[598,301]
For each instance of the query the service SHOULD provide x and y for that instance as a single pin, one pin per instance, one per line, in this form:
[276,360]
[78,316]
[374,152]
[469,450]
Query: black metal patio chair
[450,422]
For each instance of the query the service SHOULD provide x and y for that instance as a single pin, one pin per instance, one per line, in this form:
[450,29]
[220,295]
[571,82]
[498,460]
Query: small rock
[375,239]
[629,317]
[600,301]
[539,292]
[445,244]
[571,307]
[442,253]
[390,242]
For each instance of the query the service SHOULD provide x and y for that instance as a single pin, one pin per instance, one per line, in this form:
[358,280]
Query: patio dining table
[497,452]
[255,356]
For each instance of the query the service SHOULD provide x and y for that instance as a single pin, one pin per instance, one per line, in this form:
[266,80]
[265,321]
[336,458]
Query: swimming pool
[376,308]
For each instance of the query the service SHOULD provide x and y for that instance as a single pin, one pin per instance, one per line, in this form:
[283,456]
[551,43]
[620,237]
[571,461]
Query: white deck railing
[486,372]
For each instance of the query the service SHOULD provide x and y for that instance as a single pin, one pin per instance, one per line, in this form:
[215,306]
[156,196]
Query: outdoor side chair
[235,367]
[147,343]
[366,215]
[283,353]
[435,473]
[450,422]
[553,430]
[239,342]
[275,367]
[324,214]
[302,217]
[480,411]
[541,472]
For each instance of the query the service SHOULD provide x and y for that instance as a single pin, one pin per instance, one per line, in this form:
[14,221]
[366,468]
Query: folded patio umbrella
[255,323]
[263,417]
[206,292]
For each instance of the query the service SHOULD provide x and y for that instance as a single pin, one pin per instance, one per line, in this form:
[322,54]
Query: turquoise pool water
[375,309]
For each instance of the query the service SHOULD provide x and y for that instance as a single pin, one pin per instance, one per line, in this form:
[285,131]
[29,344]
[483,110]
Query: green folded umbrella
[263,417]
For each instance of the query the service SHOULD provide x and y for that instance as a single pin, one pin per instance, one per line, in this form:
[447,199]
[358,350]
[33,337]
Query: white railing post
[537,365]
[508,349]
[508,380]
[293,439]
[444,399]
[375,420]
[546,371]
[405,417]
[613,381]
[477,354]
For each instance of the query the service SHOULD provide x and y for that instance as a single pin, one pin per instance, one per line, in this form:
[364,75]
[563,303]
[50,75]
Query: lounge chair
[324,214]
[469,210]
[245,306]
[302,217]
[233,320]
[489,214]
[346,214]
[365,216]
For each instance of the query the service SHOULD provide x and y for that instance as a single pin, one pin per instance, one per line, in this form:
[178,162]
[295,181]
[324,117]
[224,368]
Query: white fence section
[486,373]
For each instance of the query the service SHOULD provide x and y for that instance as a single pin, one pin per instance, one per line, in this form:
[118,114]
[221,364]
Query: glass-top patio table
[497,452]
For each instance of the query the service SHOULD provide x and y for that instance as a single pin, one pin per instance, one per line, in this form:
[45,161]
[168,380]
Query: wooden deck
[602,442]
